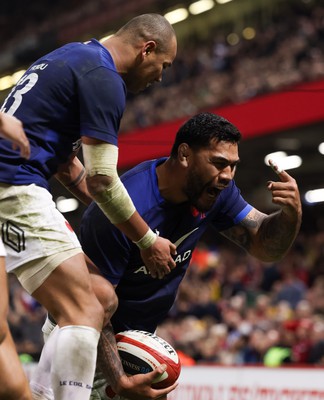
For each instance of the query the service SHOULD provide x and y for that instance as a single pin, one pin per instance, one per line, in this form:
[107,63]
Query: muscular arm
[108,360]
[269,237]
[134,387]
[112,197]
[266,237]
[72,175]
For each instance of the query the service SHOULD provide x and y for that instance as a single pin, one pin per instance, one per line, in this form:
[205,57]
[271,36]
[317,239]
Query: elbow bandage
[114,200]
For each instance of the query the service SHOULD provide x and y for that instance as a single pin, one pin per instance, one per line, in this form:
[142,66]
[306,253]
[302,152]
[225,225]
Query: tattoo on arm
[268,237]
[277,235]
[241,234]
[108,360]
[77,180]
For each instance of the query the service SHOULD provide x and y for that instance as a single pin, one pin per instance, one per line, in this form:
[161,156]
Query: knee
[109,302]
[111,305]
[106,295]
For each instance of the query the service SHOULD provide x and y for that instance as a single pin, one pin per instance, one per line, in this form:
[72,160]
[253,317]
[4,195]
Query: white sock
[40,383]
[74,362]
[41,393]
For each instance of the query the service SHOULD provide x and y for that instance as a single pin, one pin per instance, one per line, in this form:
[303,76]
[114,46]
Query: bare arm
[72,175]
[12,129]
[111,196]
[134,387]
[269,237]
[108,360]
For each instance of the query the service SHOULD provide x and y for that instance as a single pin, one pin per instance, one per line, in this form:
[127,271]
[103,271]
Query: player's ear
[183,153]
[149,47]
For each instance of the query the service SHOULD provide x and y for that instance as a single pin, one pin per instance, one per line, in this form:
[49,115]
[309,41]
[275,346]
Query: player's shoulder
[139,171]
[83,56]
[142,185]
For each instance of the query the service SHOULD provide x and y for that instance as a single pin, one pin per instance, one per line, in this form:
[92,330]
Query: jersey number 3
[23,86]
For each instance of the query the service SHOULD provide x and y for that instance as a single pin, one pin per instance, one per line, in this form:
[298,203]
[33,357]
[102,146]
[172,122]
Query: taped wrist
[147,240]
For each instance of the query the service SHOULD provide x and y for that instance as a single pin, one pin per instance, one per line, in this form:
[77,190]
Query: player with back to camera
[76,96]
[13,380]
[181,196]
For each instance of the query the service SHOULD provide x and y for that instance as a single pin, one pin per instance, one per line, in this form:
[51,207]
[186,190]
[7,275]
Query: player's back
[51,101]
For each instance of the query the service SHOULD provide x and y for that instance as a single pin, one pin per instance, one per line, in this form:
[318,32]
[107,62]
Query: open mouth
[213,193]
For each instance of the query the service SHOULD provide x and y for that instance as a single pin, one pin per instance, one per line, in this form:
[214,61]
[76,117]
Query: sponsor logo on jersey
[180,240]
[180,257]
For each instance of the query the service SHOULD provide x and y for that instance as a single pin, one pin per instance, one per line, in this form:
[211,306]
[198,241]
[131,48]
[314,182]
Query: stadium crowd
[206,74]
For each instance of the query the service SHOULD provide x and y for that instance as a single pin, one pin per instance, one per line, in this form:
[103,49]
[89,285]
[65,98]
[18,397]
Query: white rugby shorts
[32,229]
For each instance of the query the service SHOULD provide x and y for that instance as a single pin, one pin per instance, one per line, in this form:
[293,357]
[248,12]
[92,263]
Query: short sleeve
[232,208]
[102,99]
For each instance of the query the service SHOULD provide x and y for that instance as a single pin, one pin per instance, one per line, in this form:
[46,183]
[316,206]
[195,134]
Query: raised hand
[285,193]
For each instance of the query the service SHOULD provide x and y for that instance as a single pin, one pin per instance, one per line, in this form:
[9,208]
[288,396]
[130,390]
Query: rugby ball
[142,352]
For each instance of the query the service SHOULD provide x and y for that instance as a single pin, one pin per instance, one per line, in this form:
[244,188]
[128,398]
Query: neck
[113,46]
[169,176]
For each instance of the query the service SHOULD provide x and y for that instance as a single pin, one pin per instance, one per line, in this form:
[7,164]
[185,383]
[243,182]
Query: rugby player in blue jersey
[13,380]
[180,196]
[76,95]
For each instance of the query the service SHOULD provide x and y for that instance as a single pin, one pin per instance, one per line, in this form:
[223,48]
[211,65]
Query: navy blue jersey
[144,301]
[71,92]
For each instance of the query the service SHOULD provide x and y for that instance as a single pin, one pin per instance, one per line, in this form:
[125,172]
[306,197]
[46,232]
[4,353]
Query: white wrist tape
[147,240]
[114,201]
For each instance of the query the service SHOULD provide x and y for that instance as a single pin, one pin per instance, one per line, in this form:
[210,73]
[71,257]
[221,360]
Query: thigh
[68,295]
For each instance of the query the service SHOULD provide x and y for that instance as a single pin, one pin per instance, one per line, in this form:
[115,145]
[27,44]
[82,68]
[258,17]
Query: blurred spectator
[26,318]
[316,353]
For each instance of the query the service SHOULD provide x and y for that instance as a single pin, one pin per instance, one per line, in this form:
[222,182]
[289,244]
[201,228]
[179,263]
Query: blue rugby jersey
[144,301]
[71,92]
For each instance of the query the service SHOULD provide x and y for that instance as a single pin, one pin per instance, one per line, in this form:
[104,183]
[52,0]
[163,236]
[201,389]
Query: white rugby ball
[142,352]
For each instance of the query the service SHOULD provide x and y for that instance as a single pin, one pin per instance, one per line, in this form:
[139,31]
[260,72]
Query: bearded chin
[201,208]
[194,201]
